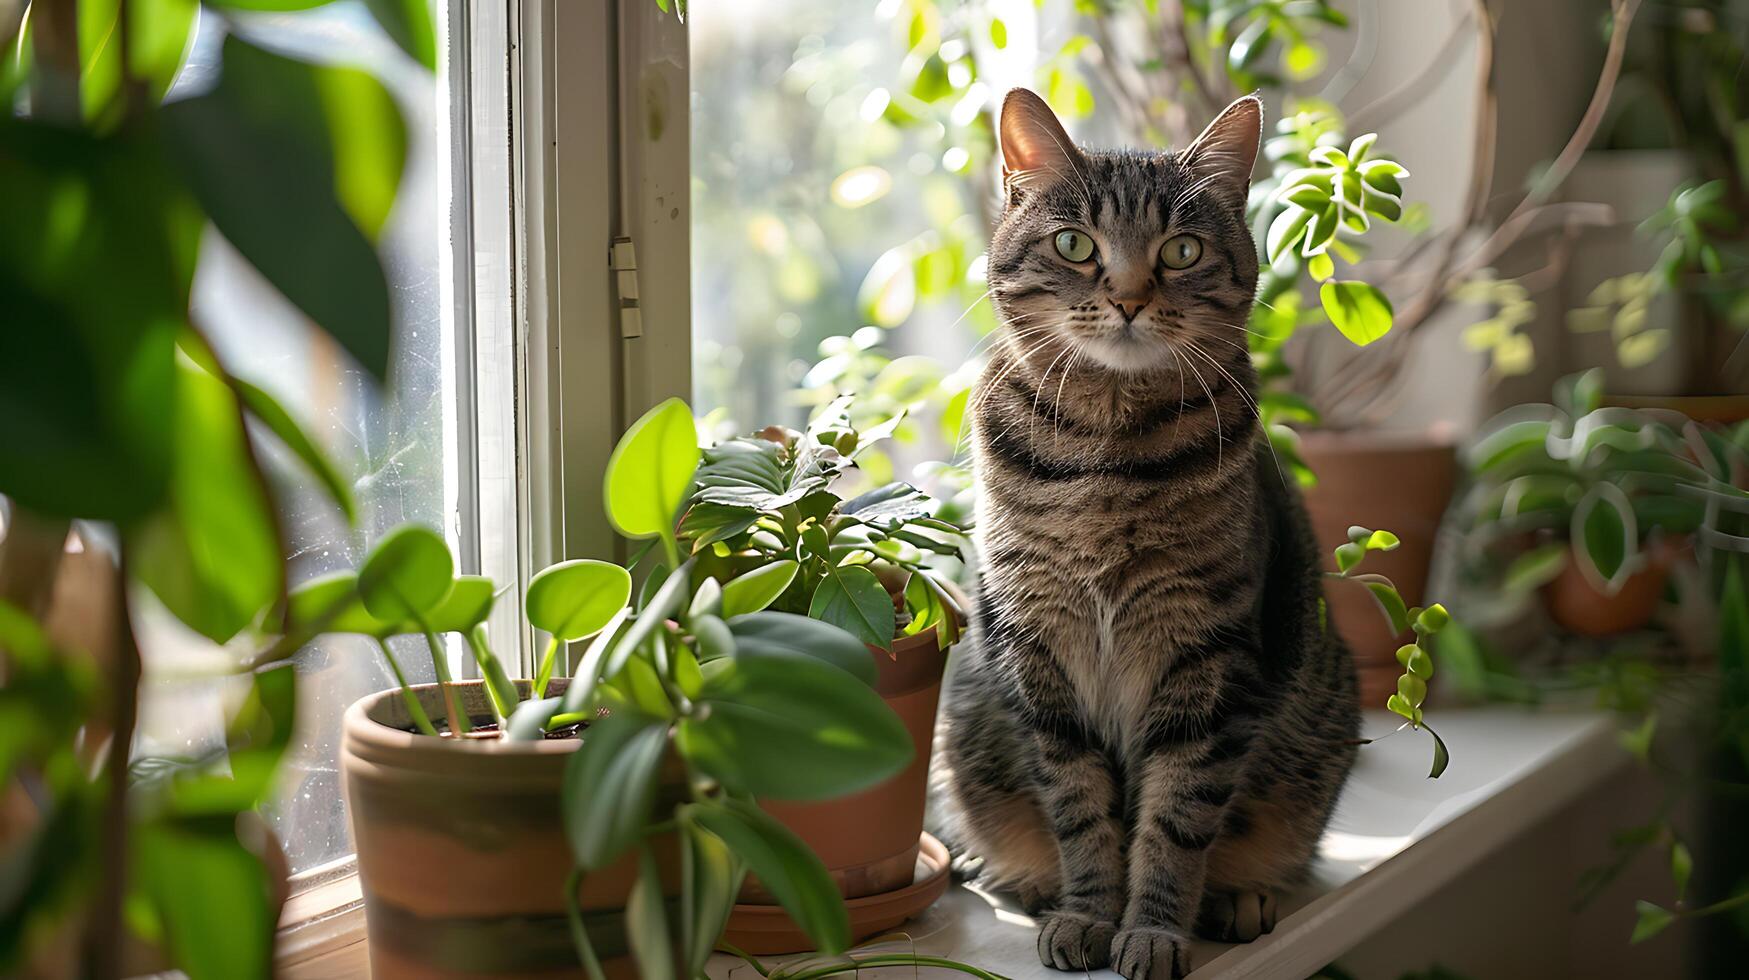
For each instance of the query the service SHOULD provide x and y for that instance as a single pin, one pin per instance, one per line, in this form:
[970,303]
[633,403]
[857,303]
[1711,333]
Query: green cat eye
[1074,246]
[1181,251]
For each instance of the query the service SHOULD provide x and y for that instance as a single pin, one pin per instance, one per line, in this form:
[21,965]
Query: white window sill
[1396,838]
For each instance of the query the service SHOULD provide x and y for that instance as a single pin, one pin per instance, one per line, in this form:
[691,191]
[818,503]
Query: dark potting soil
[489,730]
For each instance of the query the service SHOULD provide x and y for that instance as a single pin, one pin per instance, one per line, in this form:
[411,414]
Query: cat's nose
[1129,306]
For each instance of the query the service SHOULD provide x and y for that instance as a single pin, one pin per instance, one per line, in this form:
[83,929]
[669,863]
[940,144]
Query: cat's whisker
[1057,412]
[1250,402]
[1220,430]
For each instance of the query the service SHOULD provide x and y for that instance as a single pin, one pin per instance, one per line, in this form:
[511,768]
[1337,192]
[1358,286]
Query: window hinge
[623,259]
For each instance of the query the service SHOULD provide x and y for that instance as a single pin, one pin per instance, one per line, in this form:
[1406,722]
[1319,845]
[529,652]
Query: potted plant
[1584,503]
[608,818]
[767,521]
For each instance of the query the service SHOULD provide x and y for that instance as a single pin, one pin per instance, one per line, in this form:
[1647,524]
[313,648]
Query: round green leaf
[406,574]
[1360,311]
[575,599]
[467,605]
[1412,689]
[754,590]
[792,728]
[650,471]
[1420,664]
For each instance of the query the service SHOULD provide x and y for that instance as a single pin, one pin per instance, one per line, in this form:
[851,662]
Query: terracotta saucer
[768,929]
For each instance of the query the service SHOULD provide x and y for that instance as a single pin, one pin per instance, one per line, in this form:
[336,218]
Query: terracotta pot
[870,840]
[1399,482]
[462,852]
[1578,606]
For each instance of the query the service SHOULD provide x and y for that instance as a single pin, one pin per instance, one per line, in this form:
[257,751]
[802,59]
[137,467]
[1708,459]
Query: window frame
[551,362]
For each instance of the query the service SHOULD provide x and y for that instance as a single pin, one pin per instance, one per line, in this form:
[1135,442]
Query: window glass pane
[398,447]
[843,187]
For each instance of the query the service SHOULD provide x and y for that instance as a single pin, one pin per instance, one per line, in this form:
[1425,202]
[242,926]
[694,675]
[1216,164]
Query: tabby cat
[1149,734]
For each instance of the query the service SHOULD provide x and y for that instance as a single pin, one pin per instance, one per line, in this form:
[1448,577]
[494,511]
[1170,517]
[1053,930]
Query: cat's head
[1131,258]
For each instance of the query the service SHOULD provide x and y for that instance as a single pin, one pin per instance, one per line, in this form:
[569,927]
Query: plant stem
[579,932]
[458,722]
[421,720]
[671,548]
[104,931]
[545,671]
[499,690]
[1724,905]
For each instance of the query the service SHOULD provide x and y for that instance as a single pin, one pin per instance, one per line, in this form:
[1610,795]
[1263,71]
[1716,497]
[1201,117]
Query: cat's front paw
[1070,941]
[1144,953]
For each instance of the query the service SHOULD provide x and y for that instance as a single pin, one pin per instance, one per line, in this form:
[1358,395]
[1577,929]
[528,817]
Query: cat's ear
[1035,148]
[1227,150]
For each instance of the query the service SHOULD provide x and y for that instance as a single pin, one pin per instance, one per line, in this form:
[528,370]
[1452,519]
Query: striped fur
[1153,724]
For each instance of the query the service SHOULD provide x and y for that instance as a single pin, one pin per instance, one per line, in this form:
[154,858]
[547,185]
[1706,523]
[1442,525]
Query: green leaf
[295,164]
[792,728]
[531,718]
[639,682]
[1432,619]
[280,422]
[1412,689]
[466,605]
[1638,740]
[1652,920]
[88,375]
[785,866]
[715,639]
[213,557]
[1605,537]
[1441,755]
[650,471]
[775,634]
[1420,664]
[1580,394]
[326,604]
[98,33]
[710,880]
[159,34]
[1286,230]
[406,574]
[752,591]
[579,695]
[498,683]
[1681,866]
[1348,556]
[665,603]
[647,922]
[707,600]
[889,506]
[610,786]
[1535,568]
[1391,603]
[408,22]
[853,599]
[222,929]
[1374,540]
[573,600]
[1361,312]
